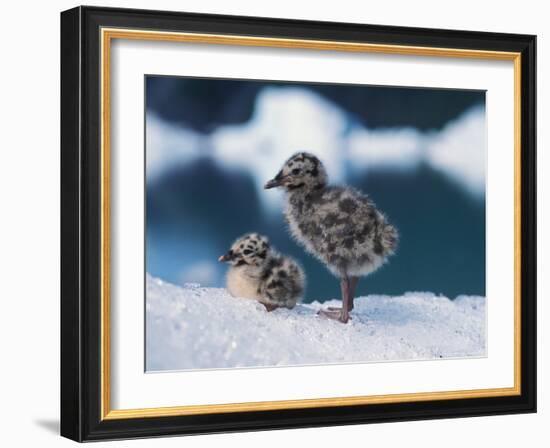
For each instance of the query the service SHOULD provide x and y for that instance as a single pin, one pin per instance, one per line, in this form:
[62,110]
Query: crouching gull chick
[258,272]
[338,225]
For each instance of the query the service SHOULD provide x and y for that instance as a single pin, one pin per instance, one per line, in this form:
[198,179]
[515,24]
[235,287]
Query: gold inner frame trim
[107,35]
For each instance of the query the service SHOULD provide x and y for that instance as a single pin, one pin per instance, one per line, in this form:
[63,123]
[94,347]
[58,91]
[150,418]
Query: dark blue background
[195,209]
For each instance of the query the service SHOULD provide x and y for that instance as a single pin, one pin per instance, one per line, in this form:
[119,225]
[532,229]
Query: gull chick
[340,226]
[260,273]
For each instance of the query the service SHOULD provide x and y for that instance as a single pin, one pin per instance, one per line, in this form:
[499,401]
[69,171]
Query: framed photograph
[277,224]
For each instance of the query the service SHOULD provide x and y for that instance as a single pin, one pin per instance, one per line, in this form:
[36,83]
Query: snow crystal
[206,328]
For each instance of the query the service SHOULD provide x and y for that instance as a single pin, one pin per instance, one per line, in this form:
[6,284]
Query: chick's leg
[347,299]
[352,288]
[269,307]
[341,314]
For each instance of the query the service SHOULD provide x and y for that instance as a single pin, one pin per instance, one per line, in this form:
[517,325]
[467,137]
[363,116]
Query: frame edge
[71,379]
[529,222]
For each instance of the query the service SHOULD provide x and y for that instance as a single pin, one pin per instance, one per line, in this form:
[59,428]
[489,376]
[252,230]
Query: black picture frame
[81,224]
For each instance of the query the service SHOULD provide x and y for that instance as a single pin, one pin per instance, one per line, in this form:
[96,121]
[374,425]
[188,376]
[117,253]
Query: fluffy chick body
[340,226]
[260,273]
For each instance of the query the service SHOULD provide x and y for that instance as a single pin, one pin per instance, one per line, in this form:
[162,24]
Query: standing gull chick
[260,273]
[339,225]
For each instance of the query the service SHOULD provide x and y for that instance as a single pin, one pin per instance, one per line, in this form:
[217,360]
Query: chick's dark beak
[228,256]
[272,184]
[277,181]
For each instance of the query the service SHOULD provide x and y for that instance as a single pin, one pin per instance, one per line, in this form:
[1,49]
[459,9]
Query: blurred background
[420,153]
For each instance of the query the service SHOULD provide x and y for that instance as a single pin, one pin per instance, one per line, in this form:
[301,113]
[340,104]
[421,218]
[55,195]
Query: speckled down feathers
[339,225]
[282,281]
[259,272]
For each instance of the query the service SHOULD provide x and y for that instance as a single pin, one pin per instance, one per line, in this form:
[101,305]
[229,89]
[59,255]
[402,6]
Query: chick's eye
[247,252]
[296,171]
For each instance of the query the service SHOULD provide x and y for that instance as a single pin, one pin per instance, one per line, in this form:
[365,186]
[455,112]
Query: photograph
[294,223]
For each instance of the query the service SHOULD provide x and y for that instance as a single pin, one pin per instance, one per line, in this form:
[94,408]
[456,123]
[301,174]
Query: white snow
[206,328]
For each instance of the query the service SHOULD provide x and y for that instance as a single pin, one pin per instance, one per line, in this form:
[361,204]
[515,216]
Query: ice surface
[205,328]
